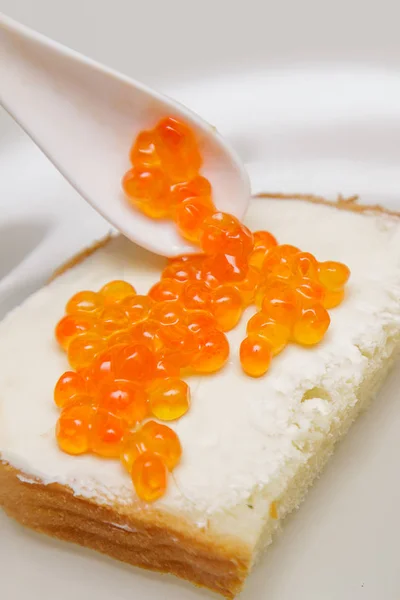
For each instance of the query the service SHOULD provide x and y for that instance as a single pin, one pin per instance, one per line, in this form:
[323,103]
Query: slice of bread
[251,448]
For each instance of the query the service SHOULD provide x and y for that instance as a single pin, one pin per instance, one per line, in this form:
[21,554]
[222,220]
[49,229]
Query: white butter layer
[240,433]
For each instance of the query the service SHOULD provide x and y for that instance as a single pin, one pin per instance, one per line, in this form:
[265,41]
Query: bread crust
[141,536]
[148,539]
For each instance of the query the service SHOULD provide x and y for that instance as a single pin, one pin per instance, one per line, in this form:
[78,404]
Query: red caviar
[73,428]
[169,399]
[149,476]
[129,351]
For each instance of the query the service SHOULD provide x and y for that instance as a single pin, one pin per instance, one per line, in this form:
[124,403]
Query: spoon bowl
[85,116]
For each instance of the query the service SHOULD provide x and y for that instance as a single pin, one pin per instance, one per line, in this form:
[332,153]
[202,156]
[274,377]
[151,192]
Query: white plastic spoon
[84,117]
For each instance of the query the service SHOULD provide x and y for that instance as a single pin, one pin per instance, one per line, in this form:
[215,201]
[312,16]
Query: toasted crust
[154,541]
[144,536]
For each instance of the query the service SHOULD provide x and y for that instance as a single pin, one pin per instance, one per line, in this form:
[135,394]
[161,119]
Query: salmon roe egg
[248,286]
[196,295]
[309,292]
[166,366]
[305,264]
[199,320]
[177,148]
[84,348]
[85,302]
[169,312]
[106,434]
[149,476]
[181,341]
[103,368]
[165,289]
[125,400]
[73,428]
[198,186]
[280,303]
[279,261]
[179,270]
[227,307]
[277,334]
[333,275]
[190,216]
[255,355]
[146,332]
[123,336]
[264,240]
[136,308]
[115,291]
[213,352]
[135,362]
[225,268]
[144,151]
[112,318]
[311,326]
[158,438]
[69,385]
[143,184]
[72,325]
[222,233]
[169,399]
[332,298]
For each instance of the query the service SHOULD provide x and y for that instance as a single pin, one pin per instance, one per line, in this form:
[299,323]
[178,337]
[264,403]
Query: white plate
[305,131]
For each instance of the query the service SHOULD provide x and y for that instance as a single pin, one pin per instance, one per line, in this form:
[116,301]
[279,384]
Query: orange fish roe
[305,265]
[179,270]
[103,368]
[112,319]
[280,303]
[199,320]
[149,476]
[136,362]
[213,352]
[255,355]
[198,186]
[85,302]
[148,189]
[248,286]
[166,289]
[190,216]
[84,348]
[125,400]
[143,151]
[196,295]
[151,437]
[168,312]
[277,334]
[309,291]
[332,299]
[130,350]
[70,385]
[166,366]
[169,399]
[146,332]
[136,308]
[72,325]
[311,326]
[117,290]
[177,148]
[73,428]
[227,307]
[224,234]
[333,275]
[106,434]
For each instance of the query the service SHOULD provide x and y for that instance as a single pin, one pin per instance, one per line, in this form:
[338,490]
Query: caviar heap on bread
[128,352]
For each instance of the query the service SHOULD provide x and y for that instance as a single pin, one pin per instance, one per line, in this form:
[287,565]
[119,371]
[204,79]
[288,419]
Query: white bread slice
[249,445]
